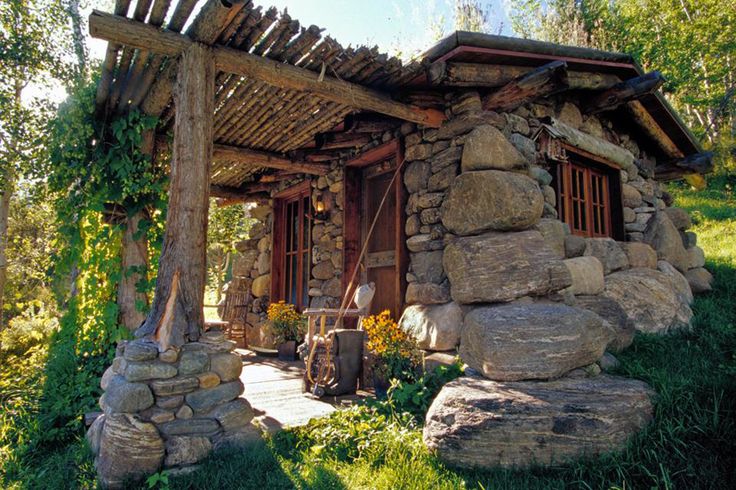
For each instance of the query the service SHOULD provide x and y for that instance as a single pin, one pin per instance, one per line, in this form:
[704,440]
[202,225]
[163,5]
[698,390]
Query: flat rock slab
[500,267]
[477,423]
[532,341]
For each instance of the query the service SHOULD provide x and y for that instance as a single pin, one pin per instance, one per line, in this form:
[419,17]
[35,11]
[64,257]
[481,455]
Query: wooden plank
[266,159]
[176,315]
[623,92]
[454,74]
[380,259]
[541,82]
[374,154]
[139,35]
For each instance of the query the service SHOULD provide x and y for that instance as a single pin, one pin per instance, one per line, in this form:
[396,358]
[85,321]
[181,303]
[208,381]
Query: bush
[33,328]
[415,398]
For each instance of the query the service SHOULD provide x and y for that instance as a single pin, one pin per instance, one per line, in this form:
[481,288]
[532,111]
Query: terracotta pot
[287,351]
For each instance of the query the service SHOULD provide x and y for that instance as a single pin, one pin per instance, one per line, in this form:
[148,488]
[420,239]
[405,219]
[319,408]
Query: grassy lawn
[690,444]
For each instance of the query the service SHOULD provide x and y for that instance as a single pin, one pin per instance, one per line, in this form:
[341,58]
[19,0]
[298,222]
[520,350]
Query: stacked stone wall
[533,301]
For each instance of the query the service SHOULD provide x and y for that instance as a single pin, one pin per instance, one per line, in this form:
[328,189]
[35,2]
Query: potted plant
[394,352]
[288,329]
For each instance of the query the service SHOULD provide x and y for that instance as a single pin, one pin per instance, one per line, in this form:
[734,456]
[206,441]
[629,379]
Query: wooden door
[367,179]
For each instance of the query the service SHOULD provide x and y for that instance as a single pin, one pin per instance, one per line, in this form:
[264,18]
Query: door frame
[353,206]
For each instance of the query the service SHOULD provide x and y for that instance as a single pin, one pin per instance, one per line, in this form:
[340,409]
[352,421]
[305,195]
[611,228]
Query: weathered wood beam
[176,314]
[369,123]
[335,141]
[698,163]
[653,130]
[265,159]
[620,93]
[245,190]
[453,74]
[541,82]
[277,176]
[259,198]
[128,32]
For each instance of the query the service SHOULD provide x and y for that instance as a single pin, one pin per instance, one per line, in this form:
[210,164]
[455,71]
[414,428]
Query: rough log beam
[369,123]
[134,34]
[265,159]
[176,314]
[336,141]
[245,190]
[451,74]
[543,81]
[653,130]
[698,163]
[624,92]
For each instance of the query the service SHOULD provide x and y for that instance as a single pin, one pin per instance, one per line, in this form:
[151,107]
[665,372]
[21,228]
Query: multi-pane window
[583,200]
[294,225]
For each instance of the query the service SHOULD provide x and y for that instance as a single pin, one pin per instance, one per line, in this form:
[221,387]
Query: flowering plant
[287,324]
[395,351]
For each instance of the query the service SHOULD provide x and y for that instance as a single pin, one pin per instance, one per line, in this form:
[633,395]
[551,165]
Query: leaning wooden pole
[176,314]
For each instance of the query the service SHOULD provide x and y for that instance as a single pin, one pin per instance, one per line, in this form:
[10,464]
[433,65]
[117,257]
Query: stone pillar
[169,409]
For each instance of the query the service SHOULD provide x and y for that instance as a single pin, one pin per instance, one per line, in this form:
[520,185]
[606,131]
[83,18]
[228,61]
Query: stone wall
[495,276]
[169,409]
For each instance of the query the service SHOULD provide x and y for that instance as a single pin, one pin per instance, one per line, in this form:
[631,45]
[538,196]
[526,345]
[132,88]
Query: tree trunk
[72,8]
[134,260]
[176,315]
[4,214]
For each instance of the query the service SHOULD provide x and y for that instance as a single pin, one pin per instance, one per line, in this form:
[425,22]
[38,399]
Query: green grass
[690,444]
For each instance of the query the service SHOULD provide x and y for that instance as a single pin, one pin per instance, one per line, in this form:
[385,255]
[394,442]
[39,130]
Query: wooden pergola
[252,98]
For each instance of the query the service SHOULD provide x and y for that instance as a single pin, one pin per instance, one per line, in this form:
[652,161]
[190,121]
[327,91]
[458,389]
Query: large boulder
[650,299]
[427,293]
[186,450]
[427,266]
[477,423]
[609,252]
[679,218]
[491,200]
[129,449]
[487,148]
[640,255]
[616,317]
[435,327]
[532,341]
[498,267]
[679,282]
[700,280]
[663,236]
[587,275]
[554,232]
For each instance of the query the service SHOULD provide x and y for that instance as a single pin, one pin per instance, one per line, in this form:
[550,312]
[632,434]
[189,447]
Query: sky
[395,26]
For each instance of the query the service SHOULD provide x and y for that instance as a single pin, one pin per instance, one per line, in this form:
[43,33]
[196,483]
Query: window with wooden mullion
[296,256]
[583,200]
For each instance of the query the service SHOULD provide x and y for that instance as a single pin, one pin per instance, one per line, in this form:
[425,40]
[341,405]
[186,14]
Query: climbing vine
[97,175]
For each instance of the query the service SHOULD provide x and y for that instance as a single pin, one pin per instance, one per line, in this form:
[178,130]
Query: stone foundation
[168,409]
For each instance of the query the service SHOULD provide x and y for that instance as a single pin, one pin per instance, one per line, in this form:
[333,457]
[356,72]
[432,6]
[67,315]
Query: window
[584,197]
[291,247]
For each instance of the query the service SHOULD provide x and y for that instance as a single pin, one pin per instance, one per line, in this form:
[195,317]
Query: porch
[274,390]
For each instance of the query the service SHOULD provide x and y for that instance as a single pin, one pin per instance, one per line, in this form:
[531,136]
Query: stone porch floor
[274,390]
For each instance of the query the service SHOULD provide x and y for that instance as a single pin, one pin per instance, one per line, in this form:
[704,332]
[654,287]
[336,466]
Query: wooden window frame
[608,207]
[279,253]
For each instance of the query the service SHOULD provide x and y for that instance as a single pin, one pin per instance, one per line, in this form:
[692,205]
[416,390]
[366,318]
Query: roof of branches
[252,114]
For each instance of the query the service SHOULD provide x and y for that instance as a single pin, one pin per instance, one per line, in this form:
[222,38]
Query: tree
[31,50]
[227,225]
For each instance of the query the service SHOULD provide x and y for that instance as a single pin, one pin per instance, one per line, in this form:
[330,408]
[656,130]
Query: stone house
[521,217]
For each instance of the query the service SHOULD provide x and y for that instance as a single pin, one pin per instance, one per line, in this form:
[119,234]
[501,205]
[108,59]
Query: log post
[541,82]
[176,315]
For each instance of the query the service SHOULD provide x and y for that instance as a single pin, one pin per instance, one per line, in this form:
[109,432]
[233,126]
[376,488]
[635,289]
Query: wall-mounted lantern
[321,206]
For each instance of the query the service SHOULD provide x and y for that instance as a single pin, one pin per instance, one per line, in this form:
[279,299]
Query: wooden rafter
[121,30]
[541,82]
[266,159]
[623,92]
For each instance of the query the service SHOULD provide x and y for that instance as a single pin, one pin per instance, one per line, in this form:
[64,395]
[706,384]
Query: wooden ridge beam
[266,159]
[540,82]
[139,35]
[455,74]
[623,92]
